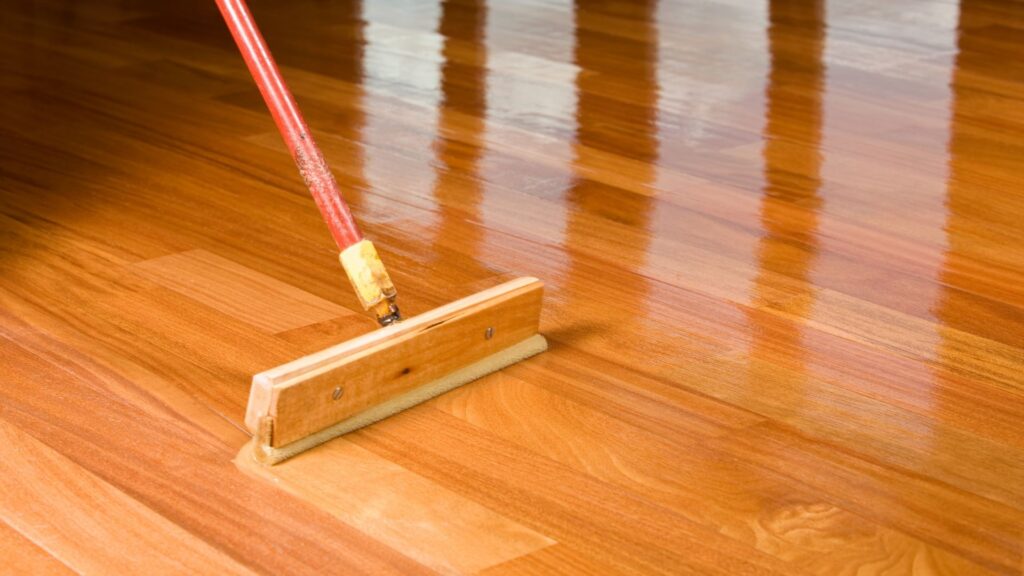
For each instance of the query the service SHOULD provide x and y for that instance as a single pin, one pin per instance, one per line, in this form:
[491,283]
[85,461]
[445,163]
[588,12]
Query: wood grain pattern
[431,524]
[173,470]
[24,558]
[264,302]
[95,527]
[780,243]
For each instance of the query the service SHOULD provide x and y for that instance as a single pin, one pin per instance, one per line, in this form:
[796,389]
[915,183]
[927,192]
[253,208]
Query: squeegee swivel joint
[370,281]
[387,312]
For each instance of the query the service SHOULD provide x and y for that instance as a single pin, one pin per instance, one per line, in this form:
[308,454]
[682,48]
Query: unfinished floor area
[781,240]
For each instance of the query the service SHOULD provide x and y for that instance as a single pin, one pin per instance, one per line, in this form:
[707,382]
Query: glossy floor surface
[782,243]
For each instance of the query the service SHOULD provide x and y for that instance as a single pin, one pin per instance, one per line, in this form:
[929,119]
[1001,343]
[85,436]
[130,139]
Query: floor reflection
[402,61]
[982,225]
[792,154]
[980,216]
[350,69]
[460,146]
[792,157]
[626,128]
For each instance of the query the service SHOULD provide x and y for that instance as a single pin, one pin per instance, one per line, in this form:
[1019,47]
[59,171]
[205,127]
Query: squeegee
[308,401]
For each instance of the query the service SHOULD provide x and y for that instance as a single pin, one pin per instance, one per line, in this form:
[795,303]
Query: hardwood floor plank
[240,292]
[556,559]
[573,508]
[434,526]
[160,460]
[763,510]
[985,532]
[22,557]
[832,414]
[962,352]
[156,393]
[90,525]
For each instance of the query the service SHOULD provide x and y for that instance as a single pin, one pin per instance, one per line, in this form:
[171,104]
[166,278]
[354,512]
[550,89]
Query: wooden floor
[783,244]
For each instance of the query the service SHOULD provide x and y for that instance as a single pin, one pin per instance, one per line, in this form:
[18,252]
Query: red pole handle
[305,152]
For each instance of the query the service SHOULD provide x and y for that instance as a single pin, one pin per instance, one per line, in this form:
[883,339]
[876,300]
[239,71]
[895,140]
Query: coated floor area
[781,242]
